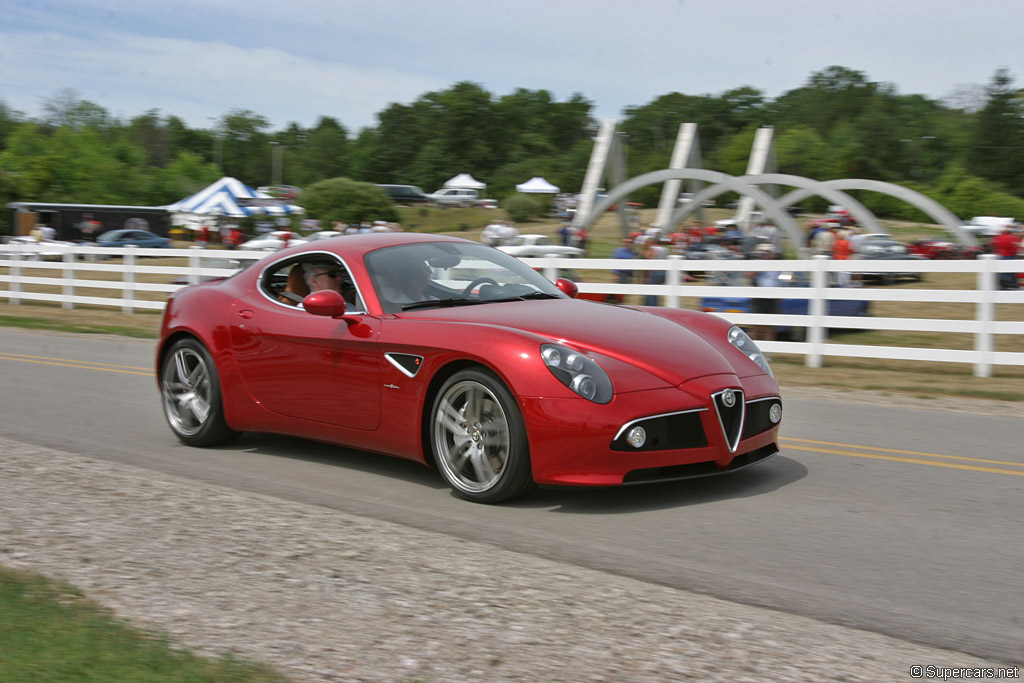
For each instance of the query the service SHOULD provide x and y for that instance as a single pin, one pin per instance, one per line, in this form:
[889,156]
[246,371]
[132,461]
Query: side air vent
[406,362]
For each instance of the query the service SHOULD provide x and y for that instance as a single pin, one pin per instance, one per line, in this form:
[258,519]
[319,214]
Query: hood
[659,346]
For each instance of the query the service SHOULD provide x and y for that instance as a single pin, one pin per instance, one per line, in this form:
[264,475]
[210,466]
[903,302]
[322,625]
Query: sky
[299,60]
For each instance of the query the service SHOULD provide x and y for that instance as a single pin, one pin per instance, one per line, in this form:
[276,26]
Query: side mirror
[326,302]
[568,287]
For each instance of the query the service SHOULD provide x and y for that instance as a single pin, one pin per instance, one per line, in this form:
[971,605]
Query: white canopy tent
[465,181]
[537,185]
[228,197]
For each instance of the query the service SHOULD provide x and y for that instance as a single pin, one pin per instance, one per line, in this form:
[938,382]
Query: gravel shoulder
[328,596]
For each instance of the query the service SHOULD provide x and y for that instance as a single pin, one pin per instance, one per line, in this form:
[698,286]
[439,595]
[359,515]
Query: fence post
[68,287]
[816,309]
[550,269]
[15,288]
[194,263]
[985,314]
[128,293]
[674,281]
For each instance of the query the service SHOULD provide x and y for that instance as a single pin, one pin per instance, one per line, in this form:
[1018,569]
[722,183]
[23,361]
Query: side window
[289,282]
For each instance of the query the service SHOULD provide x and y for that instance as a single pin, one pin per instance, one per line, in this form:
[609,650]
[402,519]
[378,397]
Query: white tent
[537,185]
[231,197]
[465,181]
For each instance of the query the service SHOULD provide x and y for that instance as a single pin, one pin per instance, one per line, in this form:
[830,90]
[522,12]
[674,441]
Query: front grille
[699,469]
[666,432]
[757,416]
[731,410]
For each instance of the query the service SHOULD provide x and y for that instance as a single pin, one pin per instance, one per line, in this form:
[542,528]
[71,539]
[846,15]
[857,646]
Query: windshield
[435,274]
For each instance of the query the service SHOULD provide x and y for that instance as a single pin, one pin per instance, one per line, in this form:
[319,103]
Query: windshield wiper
[442,303]
[538,295]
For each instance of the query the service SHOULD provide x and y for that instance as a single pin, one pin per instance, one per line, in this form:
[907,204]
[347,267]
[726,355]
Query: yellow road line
[914,461]
[894,450]
[81,365]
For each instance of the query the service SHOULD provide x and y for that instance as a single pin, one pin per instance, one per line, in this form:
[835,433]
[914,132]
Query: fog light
[636,437]
[775,414]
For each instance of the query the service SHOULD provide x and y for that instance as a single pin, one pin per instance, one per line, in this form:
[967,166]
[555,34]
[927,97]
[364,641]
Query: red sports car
[456,355]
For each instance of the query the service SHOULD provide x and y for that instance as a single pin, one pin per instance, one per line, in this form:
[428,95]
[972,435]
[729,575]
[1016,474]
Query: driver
[404,278]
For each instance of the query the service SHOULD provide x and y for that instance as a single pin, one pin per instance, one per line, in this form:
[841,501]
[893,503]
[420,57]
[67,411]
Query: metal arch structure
[941,214]
[864,216]
[771,207]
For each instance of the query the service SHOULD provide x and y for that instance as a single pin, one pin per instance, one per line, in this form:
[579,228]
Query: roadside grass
[50,633]
[446,219]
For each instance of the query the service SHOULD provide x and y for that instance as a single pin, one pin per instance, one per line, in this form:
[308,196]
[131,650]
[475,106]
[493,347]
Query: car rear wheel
[479,439]
[191,395]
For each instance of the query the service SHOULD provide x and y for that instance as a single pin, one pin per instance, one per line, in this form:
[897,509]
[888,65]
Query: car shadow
[756,480]
[297,448]
[753,481]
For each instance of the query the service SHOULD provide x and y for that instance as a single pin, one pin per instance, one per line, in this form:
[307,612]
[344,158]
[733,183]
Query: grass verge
[50,633]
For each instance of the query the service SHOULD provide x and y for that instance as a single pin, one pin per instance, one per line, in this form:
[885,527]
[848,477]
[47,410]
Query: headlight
[578,372]
[741,341]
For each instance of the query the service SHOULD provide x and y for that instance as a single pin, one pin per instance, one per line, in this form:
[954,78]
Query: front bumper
[576,442]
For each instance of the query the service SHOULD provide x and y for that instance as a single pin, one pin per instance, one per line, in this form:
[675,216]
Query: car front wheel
[191,395]
[479,439]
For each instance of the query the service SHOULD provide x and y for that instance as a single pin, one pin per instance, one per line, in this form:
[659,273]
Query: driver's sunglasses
[335,274]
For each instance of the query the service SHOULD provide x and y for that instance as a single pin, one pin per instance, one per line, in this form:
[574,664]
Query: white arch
[771,207]
[941,214]
[860,212]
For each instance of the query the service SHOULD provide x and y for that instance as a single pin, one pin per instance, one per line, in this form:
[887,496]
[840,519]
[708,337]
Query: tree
[997,145]
[347,200]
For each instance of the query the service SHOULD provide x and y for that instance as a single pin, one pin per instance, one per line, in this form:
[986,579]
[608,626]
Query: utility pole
[278,152]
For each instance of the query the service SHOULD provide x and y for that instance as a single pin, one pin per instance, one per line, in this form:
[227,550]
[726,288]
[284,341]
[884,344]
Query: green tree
[997,145]
[347,200]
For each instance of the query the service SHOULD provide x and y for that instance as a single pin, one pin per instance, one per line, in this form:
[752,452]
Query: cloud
[129,74]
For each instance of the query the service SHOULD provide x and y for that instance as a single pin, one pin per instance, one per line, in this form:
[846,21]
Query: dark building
[76,222]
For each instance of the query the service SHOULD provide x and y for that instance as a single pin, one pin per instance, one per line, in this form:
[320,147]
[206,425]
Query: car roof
[358,244]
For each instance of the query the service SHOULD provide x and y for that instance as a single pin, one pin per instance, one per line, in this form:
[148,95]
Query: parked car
[323,235]
[535,246]
[727,304]
[934,248]
[281,191]
[490,373]
[455,196]
[405,194]
[878,244]
[272,241]
[987,226]
[887,277]
[128,237]
[43,250]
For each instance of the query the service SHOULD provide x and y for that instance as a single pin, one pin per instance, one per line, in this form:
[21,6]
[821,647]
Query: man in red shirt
[1005,245]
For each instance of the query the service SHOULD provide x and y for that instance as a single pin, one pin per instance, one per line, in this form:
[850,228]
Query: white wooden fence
[76,263]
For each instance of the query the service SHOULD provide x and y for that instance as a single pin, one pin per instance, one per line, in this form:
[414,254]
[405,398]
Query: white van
[987,226]
[455,196]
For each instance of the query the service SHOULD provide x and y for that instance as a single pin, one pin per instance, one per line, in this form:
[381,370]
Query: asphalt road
[904,521]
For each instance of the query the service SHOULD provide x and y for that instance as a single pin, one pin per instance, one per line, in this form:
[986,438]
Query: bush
[522,208]
[347,200]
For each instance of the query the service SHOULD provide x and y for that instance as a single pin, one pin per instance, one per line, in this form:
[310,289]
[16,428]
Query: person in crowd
[823,241]
[765,278]
[1005,245]
[624,277]
[841,251]
[654,250]
[491,235]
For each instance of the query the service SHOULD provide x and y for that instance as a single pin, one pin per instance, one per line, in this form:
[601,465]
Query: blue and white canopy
[231,197]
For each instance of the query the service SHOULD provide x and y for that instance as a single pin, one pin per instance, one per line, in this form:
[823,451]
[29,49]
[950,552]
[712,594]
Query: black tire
[190,391]
[479,439]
